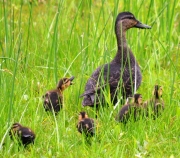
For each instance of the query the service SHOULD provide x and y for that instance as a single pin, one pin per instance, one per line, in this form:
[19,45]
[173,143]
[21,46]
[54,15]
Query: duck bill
[71,79]
[142,26]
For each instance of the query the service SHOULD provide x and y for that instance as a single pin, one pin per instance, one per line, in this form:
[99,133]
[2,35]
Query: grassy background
[42,42]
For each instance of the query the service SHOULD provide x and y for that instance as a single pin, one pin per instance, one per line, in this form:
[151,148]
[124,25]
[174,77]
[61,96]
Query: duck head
[158,91]
[138,99]
[14,129]
[127,20]
[64,83]
[16,126]
[82,115]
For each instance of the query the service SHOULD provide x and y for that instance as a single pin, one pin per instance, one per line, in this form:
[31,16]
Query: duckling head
[158,91]
[82,115]
[64,83]
[16,126]
[14,129]
[127,20]
[138,99]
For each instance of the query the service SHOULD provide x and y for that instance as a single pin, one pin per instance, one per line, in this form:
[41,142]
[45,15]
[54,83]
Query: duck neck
[120,35]
[123,51]
[60,90]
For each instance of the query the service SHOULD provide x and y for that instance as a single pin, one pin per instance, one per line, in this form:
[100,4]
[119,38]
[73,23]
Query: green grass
[41,43]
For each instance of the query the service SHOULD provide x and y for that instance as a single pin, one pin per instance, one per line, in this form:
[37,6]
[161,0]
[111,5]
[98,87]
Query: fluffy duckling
[121,74]
[85,124]
[156,103]
[24,135]
[53,99]
[131,108]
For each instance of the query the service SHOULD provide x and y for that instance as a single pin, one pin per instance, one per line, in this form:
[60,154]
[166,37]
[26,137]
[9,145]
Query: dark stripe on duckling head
[156,88]
[16,126]
[157,91]
[82,115]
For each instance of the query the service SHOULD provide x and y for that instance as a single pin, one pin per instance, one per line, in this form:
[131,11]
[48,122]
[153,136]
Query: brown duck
[24,135]
[85,124]
[53,99]
[130,109]
[122,74]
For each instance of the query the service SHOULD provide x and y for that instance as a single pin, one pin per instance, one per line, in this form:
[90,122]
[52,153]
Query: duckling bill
[121,74]
[23,135]
[53,99]
[130,109]
[85,124]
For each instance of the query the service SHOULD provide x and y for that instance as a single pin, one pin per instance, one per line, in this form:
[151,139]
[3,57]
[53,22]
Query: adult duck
[122,75]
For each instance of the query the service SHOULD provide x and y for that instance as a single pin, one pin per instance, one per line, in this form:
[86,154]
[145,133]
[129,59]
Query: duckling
[156,103]
[53,99]
[130,109]
[85,124]
[24,135]
[122,74]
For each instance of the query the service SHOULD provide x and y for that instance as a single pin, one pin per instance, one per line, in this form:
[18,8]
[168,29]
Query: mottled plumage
[155,105]
[24,135]
[85,124]
[130,109]
[53,99]
[119,75]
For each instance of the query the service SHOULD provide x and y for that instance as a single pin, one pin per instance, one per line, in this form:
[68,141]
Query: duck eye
[66,81]
[131,17]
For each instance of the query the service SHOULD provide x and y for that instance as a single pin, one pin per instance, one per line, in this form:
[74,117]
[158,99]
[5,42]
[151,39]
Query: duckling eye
[66,81]
[131,17]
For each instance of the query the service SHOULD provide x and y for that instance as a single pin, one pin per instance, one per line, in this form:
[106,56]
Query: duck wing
[87,126]
[52,101]
[27,136]
[108,75]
